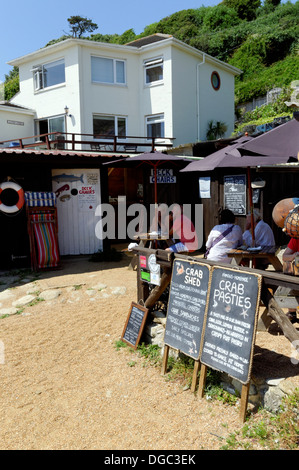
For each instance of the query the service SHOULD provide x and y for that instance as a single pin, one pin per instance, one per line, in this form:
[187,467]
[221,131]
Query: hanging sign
[164,175]
[150,271]
[235,194]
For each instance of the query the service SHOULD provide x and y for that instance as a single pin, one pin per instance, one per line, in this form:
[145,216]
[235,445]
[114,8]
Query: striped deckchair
[42,229]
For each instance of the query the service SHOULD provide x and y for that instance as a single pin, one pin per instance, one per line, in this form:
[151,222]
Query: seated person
[263,233]
[182,229]
[223,237]
[290,253]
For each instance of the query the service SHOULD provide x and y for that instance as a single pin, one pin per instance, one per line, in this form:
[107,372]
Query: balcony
[90,142]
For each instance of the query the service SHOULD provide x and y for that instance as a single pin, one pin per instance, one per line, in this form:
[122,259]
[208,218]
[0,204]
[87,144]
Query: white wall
[15,124]
[186,96]
[216,105]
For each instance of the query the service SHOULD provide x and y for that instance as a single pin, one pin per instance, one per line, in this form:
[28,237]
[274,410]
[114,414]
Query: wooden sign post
[134,325]
[230,327]
[186,309]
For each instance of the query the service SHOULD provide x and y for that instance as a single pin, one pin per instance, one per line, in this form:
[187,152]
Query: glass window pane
[121,127]
[54,73]
[120,71]
[154,74]
[56,125]
[155,130]
[102,70]
[103,125]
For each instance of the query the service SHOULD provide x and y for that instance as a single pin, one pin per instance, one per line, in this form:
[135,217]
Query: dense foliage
[259,38]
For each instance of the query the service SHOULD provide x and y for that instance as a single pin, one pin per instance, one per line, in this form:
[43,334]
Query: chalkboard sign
[134,325]
[186,306]
[230,323]
[235,194]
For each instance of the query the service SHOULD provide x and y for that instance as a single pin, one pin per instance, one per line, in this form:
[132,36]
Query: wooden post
[195,373]
[158,290]
[279,316]
[165,359]
[244,401]
[202,380]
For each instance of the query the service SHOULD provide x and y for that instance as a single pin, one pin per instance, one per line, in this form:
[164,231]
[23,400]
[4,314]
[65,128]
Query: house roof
[134,47]
[148,40]
[7,106]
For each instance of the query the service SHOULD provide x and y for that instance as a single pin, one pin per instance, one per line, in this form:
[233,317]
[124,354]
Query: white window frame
[39,82]
[151,64]
[155,119]
[116,118]
[114,62]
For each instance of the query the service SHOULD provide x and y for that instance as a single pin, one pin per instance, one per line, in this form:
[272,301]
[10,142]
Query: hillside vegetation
[260,39]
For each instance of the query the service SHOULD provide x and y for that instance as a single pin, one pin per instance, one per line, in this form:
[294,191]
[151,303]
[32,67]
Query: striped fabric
[43,224]
[44,231]
[40,199]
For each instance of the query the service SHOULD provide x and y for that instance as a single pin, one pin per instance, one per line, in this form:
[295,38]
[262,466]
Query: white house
[15,121]
[155,86]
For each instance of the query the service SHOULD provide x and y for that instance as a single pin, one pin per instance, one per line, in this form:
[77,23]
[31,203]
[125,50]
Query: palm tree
[216,130]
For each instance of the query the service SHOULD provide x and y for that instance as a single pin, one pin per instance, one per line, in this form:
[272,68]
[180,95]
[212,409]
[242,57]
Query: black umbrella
[282,140]
[230,157]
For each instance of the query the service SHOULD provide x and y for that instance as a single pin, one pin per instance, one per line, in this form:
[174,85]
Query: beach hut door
[77,194]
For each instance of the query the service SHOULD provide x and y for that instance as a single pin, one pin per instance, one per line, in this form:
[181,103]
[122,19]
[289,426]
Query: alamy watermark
[122,221]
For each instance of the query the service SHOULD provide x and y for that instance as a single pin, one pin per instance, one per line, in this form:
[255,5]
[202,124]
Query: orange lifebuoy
[16,207]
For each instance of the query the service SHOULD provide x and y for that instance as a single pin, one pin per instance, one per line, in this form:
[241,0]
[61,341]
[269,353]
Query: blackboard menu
[134,325]
[186,306]
[235,194]
[230,324]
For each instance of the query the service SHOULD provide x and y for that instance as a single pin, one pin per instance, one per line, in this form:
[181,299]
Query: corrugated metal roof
[56,152]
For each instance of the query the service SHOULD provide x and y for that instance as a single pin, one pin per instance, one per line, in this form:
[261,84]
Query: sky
[29,25]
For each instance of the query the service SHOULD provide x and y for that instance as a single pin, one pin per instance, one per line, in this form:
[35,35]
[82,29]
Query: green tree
[246,9]
[80,25]
[216,130]
[11,84]
[273,3]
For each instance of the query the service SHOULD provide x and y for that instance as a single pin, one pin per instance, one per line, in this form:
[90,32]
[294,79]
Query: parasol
[231,157]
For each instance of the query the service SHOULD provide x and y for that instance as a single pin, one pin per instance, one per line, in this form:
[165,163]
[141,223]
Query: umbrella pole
[156,201]
[251,205]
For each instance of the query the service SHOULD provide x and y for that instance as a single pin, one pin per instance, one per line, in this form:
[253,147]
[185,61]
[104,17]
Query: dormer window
[153,70]
[47,75]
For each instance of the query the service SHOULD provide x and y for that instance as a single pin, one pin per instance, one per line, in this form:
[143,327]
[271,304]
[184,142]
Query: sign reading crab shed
[186,306]
[230,324]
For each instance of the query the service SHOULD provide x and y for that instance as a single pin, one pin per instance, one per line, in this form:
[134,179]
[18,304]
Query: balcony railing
[90,142]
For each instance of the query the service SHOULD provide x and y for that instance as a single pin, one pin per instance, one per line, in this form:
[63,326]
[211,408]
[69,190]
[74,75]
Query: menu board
[235,194]
[134,325]
[186,306]
[230,324]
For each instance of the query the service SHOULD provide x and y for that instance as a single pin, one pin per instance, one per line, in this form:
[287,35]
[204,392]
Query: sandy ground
[64,385]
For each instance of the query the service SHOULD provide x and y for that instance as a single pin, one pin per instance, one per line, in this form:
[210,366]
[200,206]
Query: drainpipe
[197,92]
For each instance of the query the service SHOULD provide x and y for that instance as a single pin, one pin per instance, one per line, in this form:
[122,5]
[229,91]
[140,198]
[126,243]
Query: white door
[78,194]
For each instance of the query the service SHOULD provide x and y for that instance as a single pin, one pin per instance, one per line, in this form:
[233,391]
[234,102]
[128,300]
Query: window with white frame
[155,126]
[48,75]
[105,70]
[106,127]
[153,70]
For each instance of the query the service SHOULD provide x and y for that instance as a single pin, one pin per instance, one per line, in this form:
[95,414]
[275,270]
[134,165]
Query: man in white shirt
[223,237]
[263,233]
